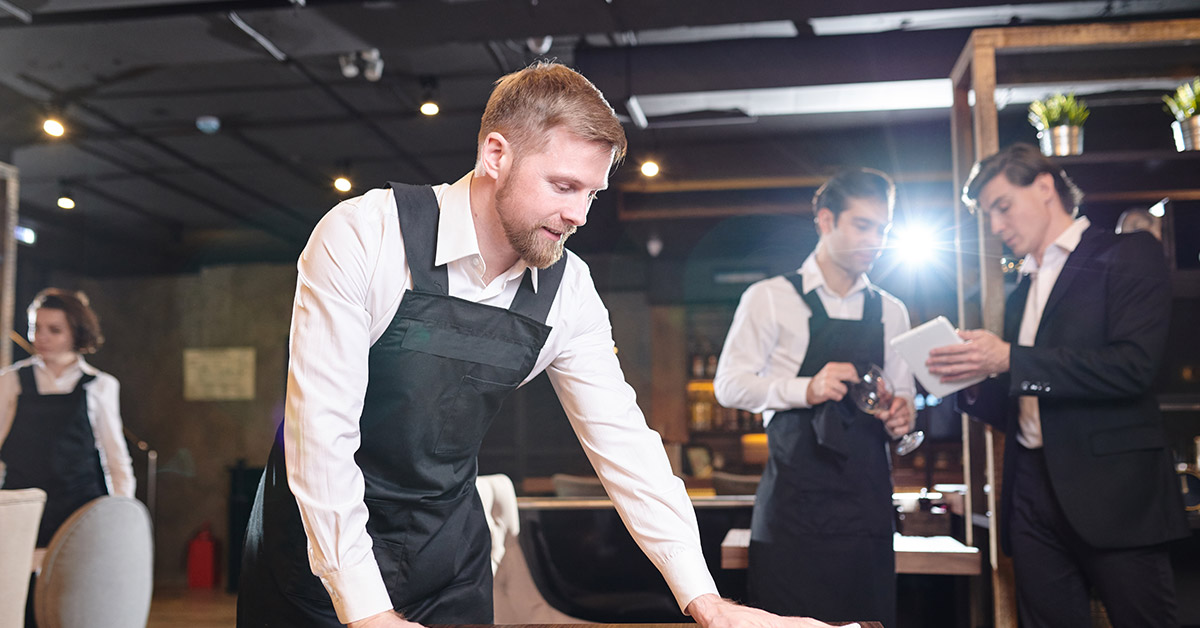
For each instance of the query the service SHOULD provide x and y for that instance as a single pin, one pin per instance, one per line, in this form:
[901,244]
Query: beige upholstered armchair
[20,516]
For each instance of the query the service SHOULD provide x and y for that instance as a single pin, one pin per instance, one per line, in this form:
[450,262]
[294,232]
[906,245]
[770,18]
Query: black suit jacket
[1097,349]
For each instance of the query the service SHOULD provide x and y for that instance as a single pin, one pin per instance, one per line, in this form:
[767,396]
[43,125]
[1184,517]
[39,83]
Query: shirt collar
[1066,242]
[456,238]
[810,271]
[80,363]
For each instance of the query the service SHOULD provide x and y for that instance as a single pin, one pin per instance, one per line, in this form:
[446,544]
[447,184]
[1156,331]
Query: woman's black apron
[821,534]
[437,377]
[51,446]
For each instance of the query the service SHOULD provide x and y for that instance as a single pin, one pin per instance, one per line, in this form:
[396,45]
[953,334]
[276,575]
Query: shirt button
[1024,385]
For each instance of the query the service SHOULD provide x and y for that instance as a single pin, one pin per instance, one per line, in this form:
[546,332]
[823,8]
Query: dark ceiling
[155,194]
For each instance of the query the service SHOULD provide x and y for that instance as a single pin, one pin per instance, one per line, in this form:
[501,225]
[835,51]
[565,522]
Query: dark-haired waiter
[821,538]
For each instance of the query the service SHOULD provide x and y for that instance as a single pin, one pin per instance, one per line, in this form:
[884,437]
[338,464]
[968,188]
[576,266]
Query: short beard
[533,248]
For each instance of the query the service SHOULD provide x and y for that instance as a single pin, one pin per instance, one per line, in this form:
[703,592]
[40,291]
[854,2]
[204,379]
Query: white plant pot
[1187,133]
[1057,141]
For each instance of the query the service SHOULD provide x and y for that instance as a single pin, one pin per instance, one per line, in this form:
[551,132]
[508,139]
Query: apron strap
[28,383]
[417,208]
[83,379]
[536,305]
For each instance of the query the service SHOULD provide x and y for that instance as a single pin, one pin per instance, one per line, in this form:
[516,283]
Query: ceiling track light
[368,62]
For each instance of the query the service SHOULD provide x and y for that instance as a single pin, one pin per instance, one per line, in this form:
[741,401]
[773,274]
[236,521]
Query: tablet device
[914,346]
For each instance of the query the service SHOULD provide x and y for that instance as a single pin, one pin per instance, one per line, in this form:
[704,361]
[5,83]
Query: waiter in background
[821,534]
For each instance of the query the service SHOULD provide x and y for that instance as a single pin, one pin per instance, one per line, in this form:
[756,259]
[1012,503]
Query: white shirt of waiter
[768,340]
[352,276]
[103,396]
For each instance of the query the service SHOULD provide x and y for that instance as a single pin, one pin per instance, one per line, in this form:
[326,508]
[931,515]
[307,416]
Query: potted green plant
[1059,121]
[1182,105]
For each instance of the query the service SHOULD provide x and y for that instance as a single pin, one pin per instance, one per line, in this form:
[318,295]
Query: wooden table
[938,555]
[863,624]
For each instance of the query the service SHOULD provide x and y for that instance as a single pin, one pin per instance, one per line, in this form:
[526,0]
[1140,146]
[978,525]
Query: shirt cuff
[357,592]
[797,392]
[688,575]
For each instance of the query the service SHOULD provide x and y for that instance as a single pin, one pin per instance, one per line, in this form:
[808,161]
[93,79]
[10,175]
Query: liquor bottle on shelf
[695,360]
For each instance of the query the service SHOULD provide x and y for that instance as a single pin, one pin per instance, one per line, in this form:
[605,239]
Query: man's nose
[575,214]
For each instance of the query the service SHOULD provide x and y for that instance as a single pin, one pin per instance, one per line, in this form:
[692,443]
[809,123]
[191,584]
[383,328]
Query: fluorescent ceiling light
[778,101]
[1025,94]
[999,15]
[692,34]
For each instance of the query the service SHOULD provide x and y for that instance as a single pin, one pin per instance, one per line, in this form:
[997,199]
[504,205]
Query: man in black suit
[1090,496]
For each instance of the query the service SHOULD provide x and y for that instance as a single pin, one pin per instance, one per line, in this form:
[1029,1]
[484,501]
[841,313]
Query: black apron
[51,446]
[437,377]
[821,533]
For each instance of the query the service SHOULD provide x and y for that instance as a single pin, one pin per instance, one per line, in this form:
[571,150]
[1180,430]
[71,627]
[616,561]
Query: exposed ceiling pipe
[16,11]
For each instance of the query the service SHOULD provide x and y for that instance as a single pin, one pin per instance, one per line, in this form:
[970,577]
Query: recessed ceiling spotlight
[342,184]
[66,202]
[208,124]
[650,168]
[53,127]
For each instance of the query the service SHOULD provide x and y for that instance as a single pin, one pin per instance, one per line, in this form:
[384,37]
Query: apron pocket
[468,413]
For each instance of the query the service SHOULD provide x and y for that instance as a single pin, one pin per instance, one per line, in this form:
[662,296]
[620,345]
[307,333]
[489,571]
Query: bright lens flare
[342,184]
[914,244]
[649,168]
[53,127]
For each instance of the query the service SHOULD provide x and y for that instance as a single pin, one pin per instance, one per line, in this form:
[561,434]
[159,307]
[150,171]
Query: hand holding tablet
[914,346]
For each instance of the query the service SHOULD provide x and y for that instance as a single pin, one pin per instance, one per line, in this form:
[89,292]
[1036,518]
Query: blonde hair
[527,104]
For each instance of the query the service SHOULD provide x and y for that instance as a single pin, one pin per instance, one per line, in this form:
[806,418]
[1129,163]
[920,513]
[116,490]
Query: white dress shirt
[1041,281]
[103,396]
[352,276]
[768,341]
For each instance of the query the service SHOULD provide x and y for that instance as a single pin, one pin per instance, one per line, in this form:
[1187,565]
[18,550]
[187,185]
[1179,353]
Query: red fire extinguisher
[202,560]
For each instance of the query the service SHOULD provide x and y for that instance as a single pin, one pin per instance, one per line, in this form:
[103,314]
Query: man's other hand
[898,417]
[387,619]
[711,611]
[829,384]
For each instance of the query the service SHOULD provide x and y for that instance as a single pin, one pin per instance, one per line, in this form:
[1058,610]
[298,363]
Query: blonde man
[417,310]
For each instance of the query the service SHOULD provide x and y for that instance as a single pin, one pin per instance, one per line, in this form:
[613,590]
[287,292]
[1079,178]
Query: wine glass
[872,394]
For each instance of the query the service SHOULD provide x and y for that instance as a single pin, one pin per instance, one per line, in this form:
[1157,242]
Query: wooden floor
[192,608]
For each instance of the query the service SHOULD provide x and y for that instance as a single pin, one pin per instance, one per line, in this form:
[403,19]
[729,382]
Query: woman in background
[60,419]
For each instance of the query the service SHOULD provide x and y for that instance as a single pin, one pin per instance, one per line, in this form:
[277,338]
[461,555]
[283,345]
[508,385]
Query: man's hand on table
[711,611]
[388,619]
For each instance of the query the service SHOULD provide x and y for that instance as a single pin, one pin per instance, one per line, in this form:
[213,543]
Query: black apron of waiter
[821,533]
[437,377]
[51,446]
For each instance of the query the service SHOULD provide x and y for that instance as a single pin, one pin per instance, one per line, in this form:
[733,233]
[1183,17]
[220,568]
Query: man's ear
[825,220]
[1043,184]
[495,154]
